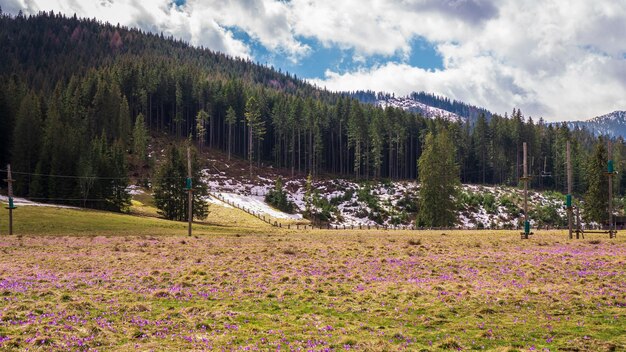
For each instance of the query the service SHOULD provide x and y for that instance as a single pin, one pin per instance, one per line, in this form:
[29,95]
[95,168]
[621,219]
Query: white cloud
[549,58]
[155,16]
[559,61]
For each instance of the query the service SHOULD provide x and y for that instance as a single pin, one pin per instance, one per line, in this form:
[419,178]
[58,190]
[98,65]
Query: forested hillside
[73,90]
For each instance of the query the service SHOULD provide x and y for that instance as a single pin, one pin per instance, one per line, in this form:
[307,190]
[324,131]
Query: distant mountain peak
[428,104]
[612,124]
[618,115]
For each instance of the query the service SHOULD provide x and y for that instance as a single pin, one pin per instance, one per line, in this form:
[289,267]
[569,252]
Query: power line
[81,177]
[66,176]
[69,199]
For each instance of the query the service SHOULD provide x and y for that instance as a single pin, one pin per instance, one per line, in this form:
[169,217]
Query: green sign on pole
[526,227]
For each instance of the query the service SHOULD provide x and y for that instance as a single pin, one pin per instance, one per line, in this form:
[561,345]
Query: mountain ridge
[612,124]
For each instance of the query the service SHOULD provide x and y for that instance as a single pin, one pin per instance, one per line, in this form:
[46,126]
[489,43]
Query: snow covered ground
[25,202]
[390,203]
[409,104]
[256,204]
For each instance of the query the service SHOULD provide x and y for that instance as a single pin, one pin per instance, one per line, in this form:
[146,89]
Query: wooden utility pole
[189,189]
[250,149]
[610,173]
[526,233]
[568,199]
[9,180]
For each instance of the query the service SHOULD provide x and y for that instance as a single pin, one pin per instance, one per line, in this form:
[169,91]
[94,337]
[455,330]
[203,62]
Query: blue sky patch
[322,58]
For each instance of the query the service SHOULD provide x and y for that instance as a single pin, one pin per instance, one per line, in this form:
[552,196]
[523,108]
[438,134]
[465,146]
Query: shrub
[407,204]
[277,198]
[347,196]
[547,215]
[489,203]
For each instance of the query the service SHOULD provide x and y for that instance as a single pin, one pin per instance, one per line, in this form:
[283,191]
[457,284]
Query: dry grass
[264,288]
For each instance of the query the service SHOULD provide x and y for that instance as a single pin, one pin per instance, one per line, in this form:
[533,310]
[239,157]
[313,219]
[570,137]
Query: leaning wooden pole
[610,173]
[189,189]
[525,179]
[9,180]
[568,199]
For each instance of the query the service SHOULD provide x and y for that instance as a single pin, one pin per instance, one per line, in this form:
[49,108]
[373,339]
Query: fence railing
[276,223]
[261,216]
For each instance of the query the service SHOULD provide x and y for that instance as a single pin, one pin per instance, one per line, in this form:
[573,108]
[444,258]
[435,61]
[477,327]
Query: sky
[560,60]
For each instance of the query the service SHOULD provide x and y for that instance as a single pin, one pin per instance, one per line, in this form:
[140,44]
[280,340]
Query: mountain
[613,124]
[428,104]
[75,91]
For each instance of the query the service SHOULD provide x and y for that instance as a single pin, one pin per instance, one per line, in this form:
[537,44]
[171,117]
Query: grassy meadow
[85,280]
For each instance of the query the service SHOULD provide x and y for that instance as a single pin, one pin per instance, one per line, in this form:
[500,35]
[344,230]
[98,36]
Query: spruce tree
[231,119]
[256,127]
[27,139]
[277,197]
[170,196]
[140,140]
[124,124]
[596,197]
[201,119]
[309,198]
[104,176]
[118,197]
[439,181]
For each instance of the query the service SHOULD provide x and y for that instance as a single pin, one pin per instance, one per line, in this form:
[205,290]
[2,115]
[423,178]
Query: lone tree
[231,119]
[596,197]
[256,127]
[439,181]
[169,193]
[277,197]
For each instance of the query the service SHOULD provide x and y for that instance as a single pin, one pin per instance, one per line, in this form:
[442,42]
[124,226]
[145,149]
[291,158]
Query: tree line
[74,92]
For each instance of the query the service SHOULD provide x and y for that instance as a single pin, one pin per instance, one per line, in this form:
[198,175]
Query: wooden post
[579,228]
[610,173]
[9,180]
[570,214]
[525,179]
[189,189]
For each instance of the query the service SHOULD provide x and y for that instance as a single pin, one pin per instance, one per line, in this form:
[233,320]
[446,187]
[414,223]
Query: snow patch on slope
[409,104]
[25,202]
[256,204]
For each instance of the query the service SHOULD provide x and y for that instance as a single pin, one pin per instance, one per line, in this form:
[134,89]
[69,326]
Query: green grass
[29,220]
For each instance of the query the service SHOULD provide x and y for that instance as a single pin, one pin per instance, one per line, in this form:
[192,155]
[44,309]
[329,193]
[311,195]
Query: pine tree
[104,176]
[481,146]
[357,132]
[140,140]
[277,197]
[376,139]
[124,123]
[27,139]
[231,119]
[118,197]
[201,119]
[596,198]
[308,197]
[439,181]
[256,127]
[169,194]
